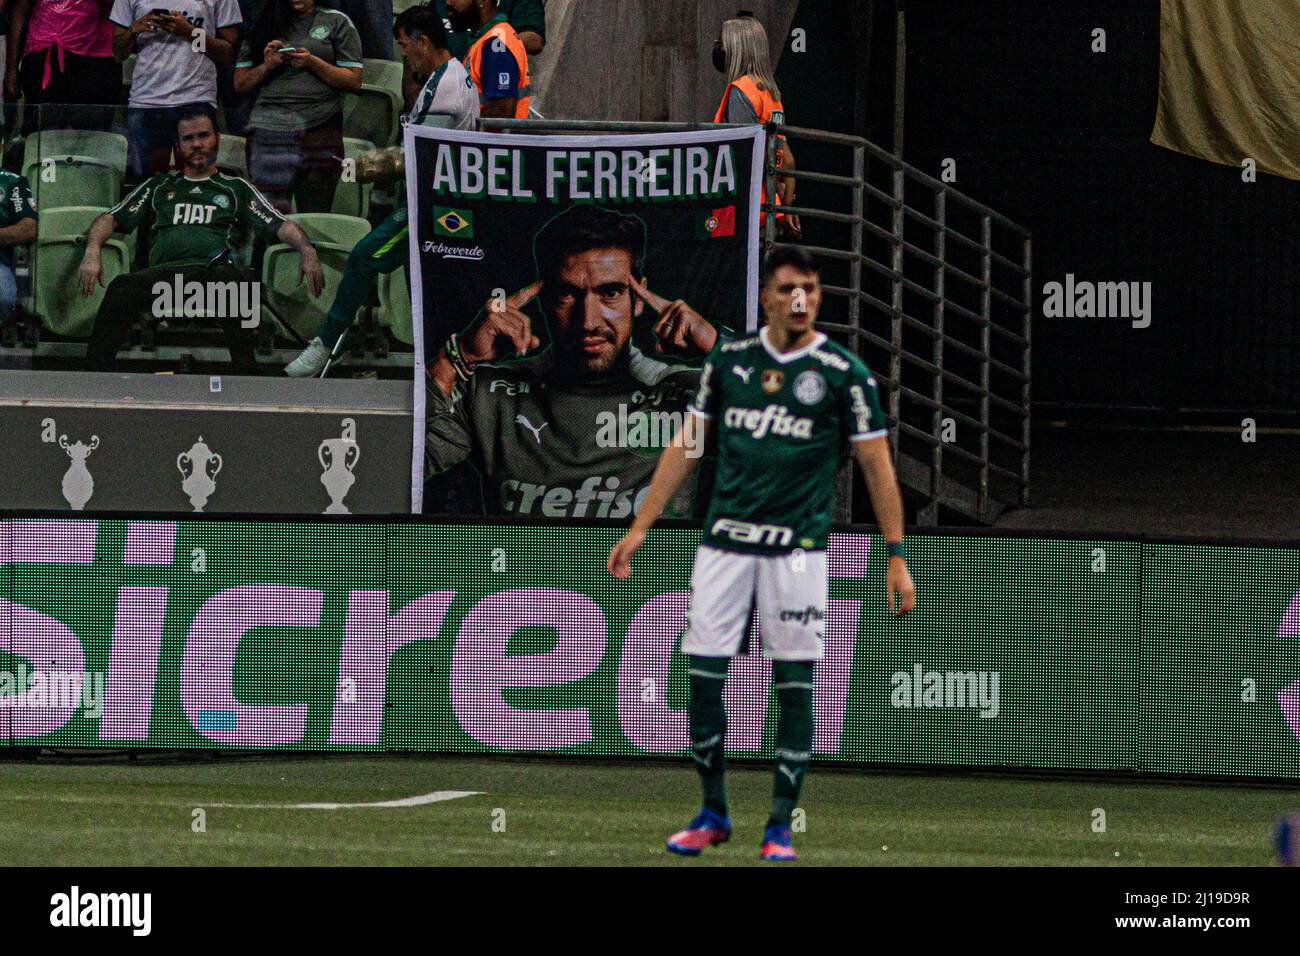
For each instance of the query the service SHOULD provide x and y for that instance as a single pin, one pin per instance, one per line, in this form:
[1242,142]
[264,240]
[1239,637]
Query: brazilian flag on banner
[453,222]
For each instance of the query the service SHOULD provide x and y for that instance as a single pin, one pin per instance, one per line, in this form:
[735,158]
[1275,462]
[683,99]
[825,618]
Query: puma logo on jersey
[192,213]
[791,772]
[773,418]
[744,373]
[537,432]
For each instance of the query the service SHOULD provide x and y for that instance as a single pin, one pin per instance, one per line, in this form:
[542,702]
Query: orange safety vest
[474,63]
[768,109]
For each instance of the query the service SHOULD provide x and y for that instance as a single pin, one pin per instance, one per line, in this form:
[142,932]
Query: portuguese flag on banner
[715,223]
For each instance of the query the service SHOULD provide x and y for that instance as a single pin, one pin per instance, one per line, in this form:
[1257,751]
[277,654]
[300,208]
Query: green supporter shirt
[192,220]
[17,206]
[781,422]
[526,16]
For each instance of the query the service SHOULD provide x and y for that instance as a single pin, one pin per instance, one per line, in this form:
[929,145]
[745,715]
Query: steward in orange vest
[498,65]
[766,109]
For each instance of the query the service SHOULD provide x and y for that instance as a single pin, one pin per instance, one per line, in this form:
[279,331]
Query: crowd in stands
[179,136]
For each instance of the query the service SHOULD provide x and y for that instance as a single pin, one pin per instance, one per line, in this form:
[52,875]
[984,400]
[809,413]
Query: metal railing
[957,302]
[958,349]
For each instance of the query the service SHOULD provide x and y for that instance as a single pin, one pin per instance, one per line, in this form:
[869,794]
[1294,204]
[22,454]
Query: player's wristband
[896,550]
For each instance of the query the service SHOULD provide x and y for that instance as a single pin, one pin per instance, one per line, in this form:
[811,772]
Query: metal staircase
[934,293]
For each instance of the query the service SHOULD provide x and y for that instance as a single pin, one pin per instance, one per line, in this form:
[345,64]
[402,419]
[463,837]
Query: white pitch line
[436,797]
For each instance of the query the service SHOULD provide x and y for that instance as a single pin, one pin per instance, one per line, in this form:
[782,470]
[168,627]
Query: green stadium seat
[395,306]
[60,246]
[65,180]
[372,113]
[386,74]
[353,199]
[108,148]
[232,155]
[334,237]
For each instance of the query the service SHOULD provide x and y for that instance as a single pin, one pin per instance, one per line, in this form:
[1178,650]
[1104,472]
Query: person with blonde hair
[752,96]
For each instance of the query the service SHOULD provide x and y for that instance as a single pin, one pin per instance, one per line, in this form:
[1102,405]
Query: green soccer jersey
[192,220]
[782,421]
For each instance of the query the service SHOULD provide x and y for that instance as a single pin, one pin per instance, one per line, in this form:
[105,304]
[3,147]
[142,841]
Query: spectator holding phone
[300,58]
[179,44]
[66,58]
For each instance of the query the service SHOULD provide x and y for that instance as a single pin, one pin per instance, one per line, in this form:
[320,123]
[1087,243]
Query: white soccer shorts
[788,589]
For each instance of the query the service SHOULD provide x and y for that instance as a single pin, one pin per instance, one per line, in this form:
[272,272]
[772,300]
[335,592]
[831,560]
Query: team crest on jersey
[320,33]
[773,379]
[221,201]
[810,388]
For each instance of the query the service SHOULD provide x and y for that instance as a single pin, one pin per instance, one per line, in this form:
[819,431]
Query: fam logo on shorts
[810,388]
[773,379]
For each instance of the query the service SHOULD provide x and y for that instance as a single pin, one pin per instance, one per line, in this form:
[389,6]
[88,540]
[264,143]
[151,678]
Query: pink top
[78,26]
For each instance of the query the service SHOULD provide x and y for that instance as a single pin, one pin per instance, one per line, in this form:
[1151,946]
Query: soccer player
[784,402]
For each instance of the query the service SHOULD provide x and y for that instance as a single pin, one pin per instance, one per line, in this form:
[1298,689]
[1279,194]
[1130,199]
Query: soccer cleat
[776,845]
[707,829]
[310,362]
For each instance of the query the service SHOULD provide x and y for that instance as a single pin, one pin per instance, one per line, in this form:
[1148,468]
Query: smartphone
[288,49]
[159,12]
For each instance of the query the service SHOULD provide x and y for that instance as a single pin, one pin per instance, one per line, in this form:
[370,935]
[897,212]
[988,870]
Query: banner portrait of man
[563,380]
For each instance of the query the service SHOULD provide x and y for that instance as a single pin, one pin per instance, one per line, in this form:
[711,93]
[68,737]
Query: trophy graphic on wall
[198,468]
[78,485]
[338,456]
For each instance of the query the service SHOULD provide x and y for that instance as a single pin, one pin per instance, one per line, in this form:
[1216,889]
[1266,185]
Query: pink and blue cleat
[707,829]
[777,845]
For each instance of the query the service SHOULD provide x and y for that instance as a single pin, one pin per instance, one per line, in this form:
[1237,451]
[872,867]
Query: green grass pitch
[534,811]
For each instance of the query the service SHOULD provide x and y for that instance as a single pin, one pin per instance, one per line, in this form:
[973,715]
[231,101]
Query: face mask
[719,57]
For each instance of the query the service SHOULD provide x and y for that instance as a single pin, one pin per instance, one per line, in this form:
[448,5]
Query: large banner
[505,638]
[591,274]
[1230,82]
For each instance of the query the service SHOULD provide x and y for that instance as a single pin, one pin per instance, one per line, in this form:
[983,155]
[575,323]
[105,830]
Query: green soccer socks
[709,728]
[794,734]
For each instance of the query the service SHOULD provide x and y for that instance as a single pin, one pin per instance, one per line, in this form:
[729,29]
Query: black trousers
[132,294]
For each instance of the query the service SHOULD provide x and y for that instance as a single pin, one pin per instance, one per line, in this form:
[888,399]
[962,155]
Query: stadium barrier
[1061,653]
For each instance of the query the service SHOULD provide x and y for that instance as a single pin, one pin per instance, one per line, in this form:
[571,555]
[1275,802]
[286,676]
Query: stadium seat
[395,306]
[73,181]
[108,148]
[371,114]
[353,199]
[383,73]
[60,245]
[232,155]
[334,236]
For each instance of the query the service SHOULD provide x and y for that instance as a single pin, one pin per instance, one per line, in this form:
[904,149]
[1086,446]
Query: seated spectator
[448,99]
[196,218]
[299,58]
[170,74]
[66,58]
[17,228]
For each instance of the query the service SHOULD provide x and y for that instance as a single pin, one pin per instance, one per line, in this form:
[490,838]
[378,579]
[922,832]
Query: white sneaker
[310,362]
